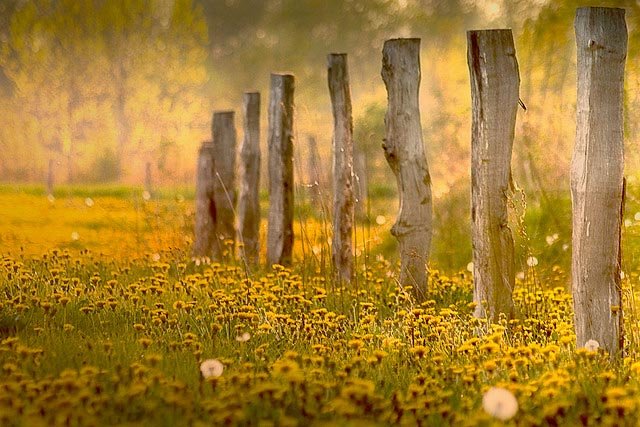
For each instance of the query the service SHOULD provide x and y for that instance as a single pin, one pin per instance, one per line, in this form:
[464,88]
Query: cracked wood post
[495,81]
[249,199]
[280,142]
[404,150]
[224,182]
[343,199]
[204,239]
[597,176]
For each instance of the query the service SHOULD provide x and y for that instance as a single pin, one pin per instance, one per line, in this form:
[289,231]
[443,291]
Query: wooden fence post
[50,178]
[224,182]
[404,151]
[314,172]
[204,243]
[343,203]
[148,179]
[597,176]
[249,199]
[280,142]
[495,83]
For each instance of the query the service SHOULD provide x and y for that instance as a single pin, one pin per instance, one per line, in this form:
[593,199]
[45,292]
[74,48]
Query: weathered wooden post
[495,83]
[204,244]
[223,131]
[148,179]
[343,203]
[404,151]
[249,199]
[597,176]
[50,178]
[280,142]
[314,166]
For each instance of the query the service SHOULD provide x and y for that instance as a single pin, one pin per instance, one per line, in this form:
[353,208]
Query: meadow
[106,319]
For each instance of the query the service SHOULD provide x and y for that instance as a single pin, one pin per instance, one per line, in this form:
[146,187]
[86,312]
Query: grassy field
[105,319]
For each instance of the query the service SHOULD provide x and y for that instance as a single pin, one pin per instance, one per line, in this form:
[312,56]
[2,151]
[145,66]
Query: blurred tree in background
[105,86]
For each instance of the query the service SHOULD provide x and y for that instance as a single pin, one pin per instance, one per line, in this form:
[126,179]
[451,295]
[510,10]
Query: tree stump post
[280,144]
[249,199]
[204,244]
[224,182]
[404,150]
[495,83]
[597,176]
[343,203]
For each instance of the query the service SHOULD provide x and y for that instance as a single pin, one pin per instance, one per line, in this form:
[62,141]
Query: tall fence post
[249,199]
[597,176]
[404,151]
[280,142]
[495,83]
[204,243]
[224,182]
[343,203]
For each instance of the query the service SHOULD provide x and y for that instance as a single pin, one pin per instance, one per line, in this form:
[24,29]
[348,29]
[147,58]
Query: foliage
[96,77]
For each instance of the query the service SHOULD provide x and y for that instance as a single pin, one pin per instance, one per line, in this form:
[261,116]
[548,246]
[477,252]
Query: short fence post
[148,180]
[495,83]
[404,151]
[204,244]
[597,186]
[280,142]
[224,182]
[343,203]
[249,198]
[314,172]
[50,178]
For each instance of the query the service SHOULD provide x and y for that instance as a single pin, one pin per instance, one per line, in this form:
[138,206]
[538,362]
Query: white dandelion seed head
[565,247]
[75,235]
[244,337]
[470,267]
[520,275]
[155,257]
[637,216]
[146,196]
[532,261]
[51,198]
[89,202]
[211,368]
[381,220]
[500,403]
[592,345]
[628,223]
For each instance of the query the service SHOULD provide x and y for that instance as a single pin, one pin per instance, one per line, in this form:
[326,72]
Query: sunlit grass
[113,328]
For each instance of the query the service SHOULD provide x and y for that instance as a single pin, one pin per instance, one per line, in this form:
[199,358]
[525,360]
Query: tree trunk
[224,182]
[343,204]
[597,176]
[249,200]
[280,224]
[495,82]
[404,151]
[204,244]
